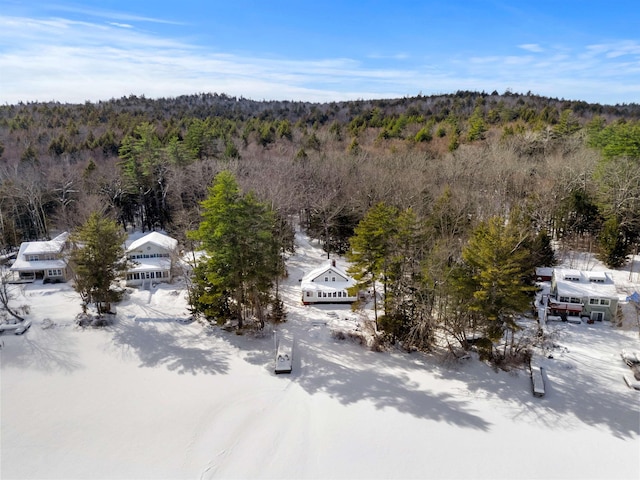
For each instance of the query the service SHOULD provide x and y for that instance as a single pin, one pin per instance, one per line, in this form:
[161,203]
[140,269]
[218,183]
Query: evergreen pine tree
[496,261]
[371,250]
[613,250]
[97,261]
[243,257]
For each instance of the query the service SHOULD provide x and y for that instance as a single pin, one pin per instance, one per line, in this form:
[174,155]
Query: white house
[151,259]
[43,260]
[583,294]
[327,284]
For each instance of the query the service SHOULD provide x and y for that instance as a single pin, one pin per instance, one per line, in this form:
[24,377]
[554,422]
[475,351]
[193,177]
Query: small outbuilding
[544,274]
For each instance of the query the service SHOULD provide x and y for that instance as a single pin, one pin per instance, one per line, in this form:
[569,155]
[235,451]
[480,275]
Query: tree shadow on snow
[171,345]
[575,388]
[578,381]
[50,351]
[380,379]
[351,374]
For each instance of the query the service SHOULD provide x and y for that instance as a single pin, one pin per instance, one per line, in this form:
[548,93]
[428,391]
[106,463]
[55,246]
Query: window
[605,301]
[308,294]
[335,294]
[596,280]
[55,272]
[565,299]
[594,301]
[33,258]
[339,294]
[333,279]
[326,279]
[575,300]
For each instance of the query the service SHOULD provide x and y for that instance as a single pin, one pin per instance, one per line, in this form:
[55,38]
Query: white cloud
[109,14]
[532,47]
[121,25]
[73,61]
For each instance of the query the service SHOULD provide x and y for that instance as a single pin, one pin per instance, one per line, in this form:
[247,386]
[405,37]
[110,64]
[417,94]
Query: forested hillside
[148,162]
[441,189]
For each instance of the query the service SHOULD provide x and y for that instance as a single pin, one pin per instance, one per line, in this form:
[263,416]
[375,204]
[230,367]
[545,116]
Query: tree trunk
[375,304]
[4,299]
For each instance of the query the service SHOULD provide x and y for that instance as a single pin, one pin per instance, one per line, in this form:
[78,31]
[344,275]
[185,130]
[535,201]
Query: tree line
[441,169]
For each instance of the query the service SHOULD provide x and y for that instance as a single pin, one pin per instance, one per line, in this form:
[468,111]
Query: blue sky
[318,50]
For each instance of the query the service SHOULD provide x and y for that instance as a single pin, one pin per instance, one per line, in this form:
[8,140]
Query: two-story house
[43,260]
[583,294]
[151,259]
[327,284]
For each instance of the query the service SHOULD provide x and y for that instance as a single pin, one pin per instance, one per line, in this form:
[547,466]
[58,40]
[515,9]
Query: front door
[597,316]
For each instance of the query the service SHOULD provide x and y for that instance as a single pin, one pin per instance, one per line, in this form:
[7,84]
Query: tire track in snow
[263,432]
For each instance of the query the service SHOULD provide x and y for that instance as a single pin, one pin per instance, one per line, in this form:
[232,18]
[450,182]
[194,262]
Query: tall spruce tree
[236,276]
[97,261]
[371,249]
[494,274]
[613,250]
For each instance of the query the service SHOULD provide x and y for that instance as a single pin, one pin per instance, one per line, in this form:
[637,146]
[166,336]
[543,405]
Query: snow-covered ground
[150,397]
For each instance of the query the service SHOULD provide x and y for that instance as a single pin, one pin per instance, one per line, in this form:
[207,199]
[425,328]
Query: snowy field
[151,398]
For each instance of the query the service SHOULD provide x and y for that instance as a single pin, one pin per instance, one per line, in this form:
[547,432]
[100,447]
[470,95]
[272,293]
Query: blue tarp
[634,297]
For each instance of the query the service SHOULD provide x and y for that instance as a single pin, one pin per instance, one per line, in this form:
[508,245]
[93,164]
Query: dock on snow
[284,356]
[537,381]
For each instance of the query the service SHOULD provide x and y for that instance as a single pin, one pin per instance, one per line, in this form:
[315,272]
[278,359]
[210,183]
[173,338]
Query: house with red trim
[580,293]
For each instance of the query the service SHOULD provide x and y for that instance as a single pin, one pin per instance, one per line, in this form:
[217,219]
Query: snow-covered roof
[322,270]
[156,238]
[149,265]
[54,246]
[50,246]
[308,284]
[578,283]
[21,265]
[544,271]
